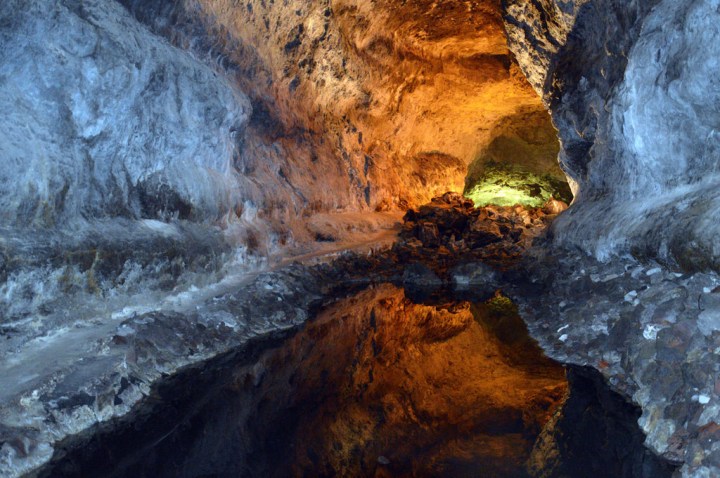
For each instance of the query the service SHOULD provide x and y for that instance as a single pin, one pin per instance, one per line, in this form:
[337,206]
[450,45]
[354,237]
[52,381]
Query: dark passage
[378,386]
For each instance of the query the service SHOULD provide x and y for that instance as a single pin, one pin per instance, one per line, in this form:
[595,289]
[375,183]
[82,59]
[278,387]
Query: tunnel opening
[519,165]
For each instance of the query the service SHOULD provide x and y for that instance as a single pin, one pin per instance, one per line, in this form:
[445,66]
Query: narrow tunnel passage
[519,165]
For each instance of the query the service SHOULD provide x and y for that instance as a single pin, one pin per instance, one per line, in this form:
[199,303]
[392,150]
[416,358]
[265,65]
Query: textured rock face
[385,102]
[356,105]
[103,119]
[636,107]
[118,156]
[574,53]
[652,334]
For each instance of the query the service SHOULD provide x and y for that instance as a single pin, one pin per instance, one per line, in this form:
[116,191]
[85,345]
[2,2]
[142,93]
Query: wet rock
[418,274]
[642,328]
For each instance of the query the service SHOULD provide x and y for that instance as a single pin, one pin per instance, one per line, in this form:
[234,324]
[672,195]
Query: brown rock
[553,206]
[483,233]
[428,234]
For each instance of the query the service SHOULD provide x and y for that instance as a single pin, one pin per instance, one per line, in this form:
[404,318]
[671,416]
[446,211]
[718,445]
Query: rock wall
[386,102]
[631,93]
[103,119]
[118,157]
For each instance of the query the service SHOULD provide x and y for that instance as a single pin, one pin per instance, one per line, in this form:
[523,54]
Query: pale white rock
[709,321]
[101,118]
[651,330]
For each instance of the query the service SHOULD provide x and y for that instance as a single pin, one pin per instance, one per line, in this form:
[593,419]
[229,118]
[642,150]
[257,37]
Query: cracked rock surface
[630,89]
[652,333]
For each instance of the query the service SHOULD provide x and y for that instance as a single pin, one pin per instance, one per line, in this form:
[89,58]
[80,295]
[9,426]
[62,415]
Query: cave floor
[648,331]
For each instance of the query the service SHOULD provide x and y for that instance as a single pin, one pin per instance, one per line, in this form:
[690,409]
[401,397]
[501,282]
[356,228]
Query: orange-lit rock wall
[360,104]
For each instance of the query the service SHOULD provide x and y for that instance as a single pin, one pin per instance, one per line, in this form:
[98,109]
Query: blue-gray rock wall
[632,90]
[101,118]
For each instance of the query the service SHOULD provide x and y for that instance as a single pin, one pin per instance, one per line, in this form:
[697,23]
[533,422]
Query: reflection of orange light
[422,386]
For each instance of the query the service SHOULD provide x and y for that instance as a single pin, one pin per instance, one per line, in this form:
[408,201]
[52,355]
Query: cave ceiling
[408,93]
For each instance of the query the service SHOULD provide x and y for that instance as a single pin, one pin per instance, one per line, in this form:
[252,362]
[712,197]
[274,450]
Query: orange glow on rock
[373,88]
[386,387]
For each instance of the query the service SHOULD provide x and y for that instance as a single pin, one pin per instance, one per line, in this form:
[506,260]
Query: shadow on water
[380,386]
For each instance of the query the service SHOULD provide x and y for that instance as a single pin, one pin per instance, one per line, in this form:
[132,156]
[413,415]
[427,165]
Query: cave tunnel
[387,238]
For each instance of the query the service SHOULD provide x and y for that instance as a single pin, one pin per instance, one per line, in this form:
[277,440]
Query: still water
[377,385]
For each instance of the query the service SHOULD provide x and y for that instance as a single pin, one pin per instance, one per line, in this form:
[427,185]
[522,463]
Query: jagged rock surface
[653,335]
[104,119]
[117,154]
[629,89]
[450,231]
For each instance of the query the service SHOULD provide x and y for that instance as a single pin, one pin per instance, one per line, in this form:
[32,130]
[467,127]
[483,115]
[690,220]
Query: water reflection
[377,386]
[380,386]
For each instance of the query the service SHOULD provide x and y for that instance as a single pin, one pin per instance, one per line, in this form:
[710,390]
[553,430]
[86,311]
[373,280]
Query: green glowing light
[482,195]
[508,187]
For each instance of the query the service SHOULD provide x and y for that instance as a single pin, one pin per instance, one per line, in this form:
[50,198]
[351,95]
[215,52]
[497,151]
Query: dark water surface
[378,386]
